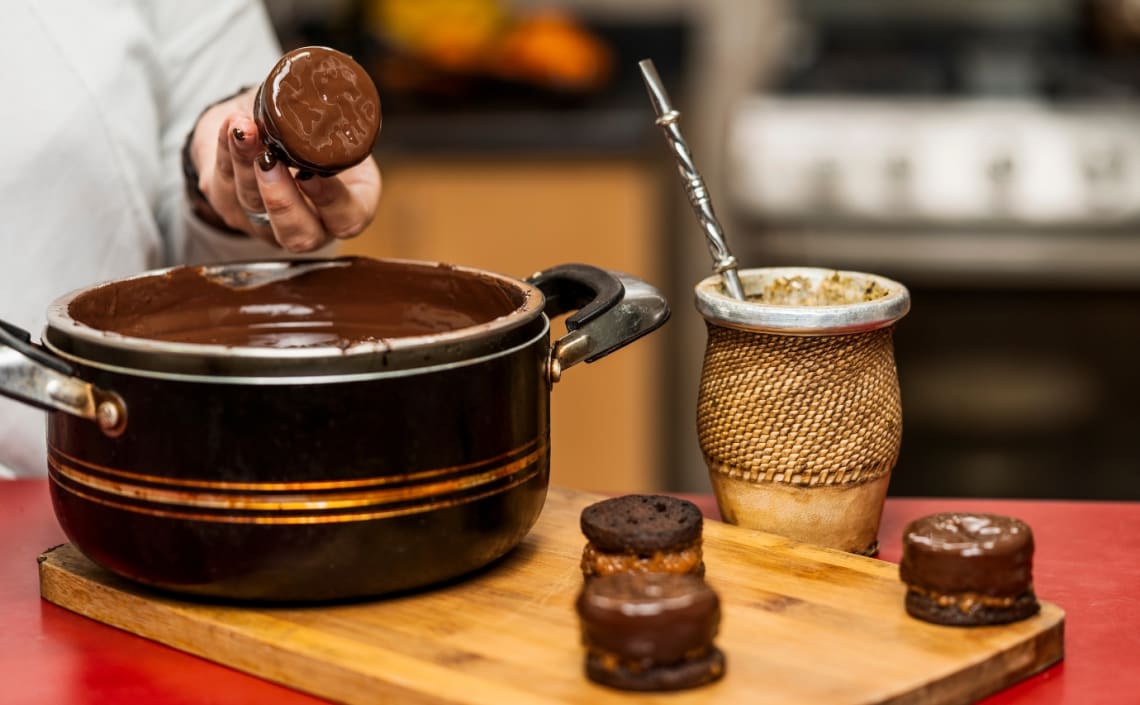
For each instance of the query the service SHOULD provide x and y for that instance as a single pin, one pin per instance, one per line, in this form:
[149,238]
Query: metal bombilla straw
[667,117]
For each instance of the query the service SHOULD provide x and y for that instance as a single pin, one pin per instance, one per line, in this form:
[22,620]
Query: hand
[304,214]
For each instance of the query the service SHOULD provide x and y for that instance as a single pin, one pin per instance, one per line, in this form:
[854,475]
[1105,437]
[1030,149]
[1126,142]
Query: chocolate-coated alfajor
[966,569]
[318,111]
[650,631]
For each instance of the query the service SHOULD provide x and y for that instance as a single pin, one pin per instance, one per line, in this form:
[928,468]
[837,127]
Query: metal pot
[340,468]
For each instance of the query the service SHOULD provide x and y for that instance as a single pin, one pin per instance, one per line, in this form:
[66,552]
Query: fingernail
[239,135]
[266,160]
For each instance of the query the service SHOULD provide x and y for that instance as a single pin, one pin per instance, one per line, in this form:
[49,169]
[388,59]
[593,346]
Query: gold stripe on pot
[311,486]
[290,507]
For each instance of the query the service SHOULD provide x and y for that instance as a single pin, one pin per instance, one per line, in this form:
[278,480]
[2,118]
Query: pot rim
[299,378]
[71,338]
[719,308]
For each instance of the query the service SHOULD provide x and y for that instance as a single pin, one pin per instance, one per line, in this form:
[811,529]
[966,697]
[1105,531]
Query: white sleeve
[206,51]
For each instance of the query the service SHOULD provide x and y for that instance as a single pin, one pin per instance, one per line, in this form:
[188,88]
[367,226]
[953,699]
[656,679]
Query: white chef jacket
[98,96]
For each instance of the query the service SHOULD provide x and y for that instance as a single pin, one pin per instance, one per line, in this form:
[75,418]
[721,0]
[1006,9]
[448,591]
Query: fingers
[303,214]
[346,203]
[232,188]
[296,226]
[219,187]
[307,213]
[245,148]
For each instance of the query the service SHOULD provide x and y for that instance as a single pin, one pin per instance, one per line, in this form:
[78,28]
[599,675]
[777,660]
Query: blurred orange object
[452,34]
[484,39]
[551,49]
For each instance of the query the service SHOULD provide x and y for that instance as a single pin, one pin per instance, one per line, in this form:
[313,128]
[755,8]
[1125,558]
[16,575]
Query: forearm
[208,51]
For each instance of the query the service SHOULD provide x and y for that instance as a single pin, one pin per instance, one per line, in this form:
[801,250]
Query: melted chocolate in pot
[367,301]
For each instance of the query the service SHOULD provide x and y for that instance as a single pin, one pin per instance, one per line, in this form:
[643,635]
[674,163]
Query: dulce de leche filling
[966,602]
[613,662]
[686,559]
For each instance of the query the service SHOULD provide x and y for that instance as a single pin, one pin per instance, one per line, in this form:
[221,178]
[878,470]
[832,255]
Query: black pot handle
[589,290]
[613,310]
[20,340]
[39,378]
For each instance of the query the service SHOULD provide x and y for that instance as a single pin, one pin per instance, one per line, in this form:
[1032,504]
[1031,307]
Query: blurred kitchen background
[986,154]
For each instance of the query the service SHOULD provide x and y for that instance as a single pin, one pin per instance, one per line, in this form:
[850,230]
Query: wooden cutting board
[801,625]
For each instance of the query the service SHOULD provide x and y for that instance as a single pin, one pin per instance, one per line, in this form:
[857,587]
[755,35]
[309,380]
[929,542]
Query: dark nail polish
[266,161]
[239,135]
[305,175]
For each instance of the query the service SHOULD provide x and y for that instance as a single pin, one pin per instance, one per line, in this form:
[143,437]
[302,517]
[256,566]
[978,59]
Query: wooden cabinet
[518,216]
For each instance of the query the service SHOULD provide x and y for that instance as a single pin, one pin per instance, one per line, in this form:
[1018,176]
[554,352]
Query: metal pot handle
[613,310]
[30,374]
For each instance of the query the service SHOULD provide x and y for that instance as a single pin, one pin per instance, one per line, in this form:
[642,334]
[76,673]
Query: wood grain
[801,625]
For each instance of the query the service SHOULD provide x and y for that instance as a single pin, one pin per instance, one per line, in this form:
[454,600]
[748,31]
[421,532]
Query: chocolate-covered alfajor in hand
[317,111]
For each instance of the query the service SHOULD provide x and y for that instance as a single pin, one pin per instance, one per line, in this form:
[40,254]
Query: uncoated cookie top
[642,523]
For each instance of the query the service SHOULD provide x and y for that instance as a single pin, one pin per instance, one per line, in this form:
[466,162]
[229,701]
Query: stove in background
[988,158]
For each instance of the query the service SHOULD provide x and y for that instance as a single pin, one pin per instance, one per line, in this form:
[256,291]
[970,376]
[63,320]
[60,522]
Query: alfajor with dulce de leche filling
[650,631]
[642,533]
[966,569]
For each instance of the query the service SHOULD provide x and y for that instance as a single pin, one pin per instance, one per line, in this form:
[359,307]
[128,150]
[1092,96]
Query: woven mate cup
[798,414]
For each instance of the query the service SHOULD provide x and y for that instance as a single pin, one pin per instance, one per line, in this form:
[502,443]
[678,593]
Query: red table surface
[1087,561]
